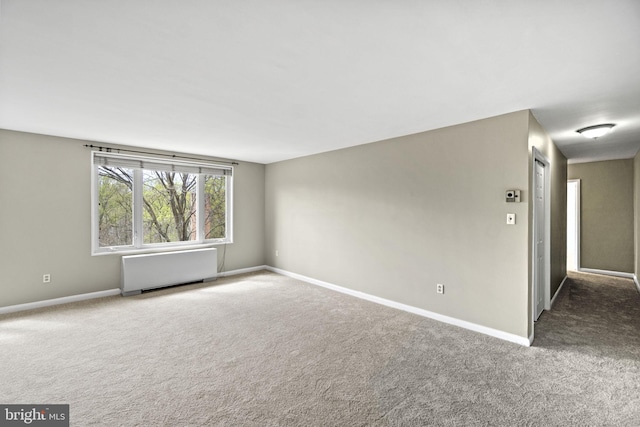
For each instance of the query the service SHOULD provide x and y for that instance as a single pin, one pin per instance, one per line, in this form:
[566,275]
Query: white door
[573,225]
[539,231]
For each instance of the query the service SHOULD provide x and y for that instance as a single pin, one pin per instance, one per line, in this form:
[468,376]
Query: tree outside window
[170,206]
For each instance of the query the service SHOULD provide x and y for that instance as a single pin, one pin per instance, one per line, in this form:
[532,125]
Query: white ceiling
[265,81]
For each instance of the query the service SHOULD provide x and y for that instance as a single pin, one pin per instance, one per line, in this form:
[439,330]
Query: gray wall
[606,214]
[394,218]
[45,220]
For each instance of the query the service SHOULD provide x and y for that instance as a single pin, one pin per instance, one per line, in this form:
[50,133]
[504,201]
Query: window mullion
[138,208]
[95,225]
[228,209]
[200,212]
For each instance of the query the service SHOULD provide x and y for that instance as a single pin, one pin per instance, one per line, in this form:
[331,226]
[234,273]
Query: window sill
[150,250]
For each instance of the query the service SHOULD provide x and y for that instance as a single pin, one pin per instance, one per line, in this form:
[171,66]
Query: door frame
[546,286]
[576,182]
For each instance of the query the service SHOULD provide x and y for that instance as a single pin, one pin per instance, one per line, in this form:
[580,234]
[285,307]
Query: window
[142,203]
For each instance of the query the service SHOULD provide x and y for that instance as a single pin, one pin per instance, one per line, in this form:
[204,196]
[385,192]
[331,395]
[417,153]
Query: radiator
[150,271]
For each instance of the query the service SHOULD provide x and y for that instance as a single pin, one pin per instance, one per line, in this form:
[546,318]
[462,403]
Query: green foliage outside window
[169,206]
[115,207]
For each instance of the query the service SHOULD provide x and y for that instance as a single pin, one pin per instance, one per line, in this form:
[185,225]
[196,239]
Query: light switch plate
[511,218]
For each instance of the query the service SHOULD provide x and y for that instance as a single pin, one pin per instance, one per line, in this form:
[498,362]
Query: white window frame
[138,245]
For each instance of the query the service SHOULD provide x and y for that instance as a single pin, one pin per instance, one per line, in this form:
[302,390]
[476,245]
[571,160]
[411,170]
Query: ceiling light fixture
[596,131]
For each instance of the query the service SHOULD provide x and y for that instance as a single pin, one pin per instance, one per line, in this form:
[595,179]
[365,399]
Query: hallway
[594,315]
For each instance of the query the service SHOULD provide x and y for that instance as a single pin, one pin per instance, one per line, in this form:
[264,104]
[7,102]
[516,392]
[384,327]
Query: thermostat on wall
[513,196]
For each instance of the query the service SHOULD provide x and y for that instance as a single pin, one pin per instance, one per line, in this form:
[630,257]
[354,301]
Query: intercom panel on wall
[513,196]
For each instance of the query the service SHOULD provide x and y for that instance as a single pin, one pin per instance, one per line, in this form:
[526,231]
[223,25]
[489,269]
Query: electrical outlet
[440,288]
[46,278]
[511,219]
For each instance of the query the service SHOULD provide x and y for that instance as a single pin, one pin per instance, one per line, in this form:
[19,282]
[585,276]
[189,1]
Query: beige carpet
[267,350]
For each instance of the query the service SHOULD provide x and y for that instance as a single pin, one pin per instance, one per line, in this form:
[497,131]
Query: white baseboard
[606,272]
[100,294]
[553,300]
[635,280]
[57,301]
[425,313]
[242,271]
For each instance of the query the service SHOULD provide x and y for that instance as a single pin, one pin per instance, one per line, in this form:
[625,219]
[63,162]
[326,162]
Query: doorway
[539,239]
[541,235]
[573,225]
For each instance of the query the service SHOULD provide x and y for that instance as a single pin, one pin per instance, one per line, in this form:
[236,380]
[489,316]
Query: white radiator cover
[149,271]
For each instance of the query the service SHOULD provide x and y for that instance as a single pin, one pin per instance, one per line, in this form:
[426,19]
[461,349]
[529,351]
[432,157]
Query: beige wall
[606,220]
[558,199]
[394,218]
[45,221]
[390,219]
